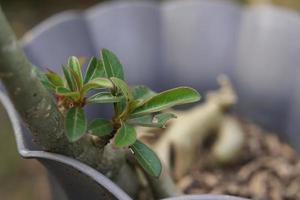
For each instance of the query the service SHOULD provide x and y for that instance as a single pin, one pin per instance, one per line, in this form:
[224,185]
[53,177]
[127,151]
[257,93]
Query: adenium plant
[133,106]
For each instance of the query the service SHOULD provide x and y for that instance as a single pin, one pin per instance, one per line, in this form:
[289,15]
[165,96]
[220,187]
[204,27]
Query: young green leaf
[48,85]
[76,79]
[142,92]
[44,80]
[121,106]
[75,69]
[75,124]
[167,99]
[147,158]
[54,78]
[100,127]
[103,97]
[96,84]
[112,65]
[94,70]
[125,136]
[123,88]
[158,120]
[66,92]
[69,79]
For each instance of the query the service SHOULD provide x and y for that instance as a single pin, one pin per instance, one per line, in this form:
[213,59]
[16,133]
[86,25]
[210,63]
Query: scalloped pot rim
[105,7]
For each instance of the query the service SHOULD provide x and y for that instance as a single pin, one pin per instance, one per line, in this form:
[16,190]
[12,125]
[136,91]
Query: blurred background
[22,179]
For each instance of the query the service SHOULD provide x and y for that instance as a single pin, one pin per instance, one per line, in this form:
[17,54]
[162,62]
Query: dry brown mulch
[267,169]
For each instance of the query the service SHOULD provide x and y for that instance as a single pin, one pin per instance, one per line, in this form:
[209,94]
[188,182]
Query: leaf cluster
[136,106]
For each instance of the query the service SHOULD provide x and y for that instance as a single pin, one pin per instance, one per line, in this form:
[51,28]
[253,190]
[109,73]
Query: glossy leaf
[121,106]
[75,69]
[54,79]
[167,99]
[103,97]
[142,92]
[44,80]
[47,84]
[158,120]
[147,158]
[100,127]
[66,92]
[76,79]
[75,124]
[125,136]
[69,79]
[123,88]
[96,84]
[111,64]
[94,70]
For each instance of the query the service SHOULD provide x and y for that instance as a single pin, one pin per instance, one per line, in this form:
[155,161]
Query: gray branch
[40,114]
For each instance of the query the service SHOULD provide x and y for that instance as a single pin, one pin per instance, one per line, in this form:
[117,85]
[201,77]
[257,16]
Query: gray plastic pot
[165,45]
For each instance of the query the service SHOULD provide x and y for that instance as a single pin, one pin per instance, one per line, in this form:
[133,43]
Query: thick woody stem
[40,113]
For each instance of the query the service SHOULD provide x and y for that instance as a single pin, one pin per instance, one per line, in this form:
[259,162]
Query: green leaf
[54,78]
[103,97]
[94,70]
[123,88]
[48,85]
[75,124]
[43,78]
[167,99]
[69,79]
[66,92]
[158,120]
[112,65]
[100,127]
[142,92]
[147,158]
[125,136]
[75,69]
[96,84]
[121,106]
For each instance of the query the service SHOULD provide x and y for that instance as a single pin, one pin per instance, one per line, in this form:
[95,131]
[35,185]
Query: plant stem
[41,115]
[32,101]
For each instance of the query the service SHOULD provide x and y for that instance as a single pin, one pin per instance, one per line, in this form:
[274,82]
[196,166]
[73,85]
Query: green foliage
[142,92]
[100,127]
[147,158]
[112,65]
[62,91]
[103,97]
[94,70]
[75,69]
[70,82]
[97,83]
[136,106]
[150,120]
[125,135]
[167,99]
[75,123]
[54,78]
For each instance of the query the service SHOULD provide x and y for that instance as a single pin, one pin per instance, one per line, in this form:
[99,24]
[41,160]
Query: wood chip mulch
[268,169]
